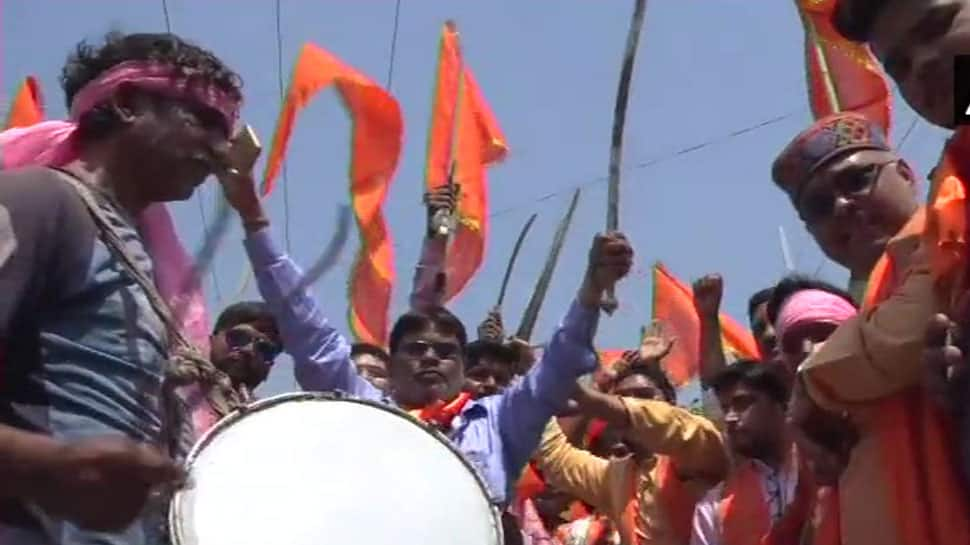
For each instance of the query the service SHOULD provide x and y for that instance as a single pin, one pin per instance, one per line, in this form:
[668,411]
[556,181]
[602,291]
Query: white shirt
[778,488]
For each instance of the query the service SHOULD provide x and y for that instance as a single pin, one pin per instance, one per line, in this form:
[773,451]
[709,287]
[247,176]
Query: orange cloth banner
[464,131]
[842,75]
[27,107]
[673,304]
[378,133]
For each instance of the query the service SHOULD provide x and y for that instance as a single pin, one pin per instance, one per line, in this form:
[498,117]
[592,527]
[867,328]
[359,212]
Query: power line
[168,21]
[390,65]
[650,162]
[285,176]
[906,134]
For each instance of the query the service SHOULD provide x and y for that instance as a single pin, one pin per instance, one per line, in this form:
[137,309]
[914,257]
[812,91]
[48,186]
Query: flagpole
[785,250]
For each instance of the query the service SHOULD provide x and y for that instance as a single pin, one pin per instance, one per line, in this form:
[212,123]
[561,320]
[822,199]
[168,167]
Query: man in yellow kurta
[858,199]
[672,457]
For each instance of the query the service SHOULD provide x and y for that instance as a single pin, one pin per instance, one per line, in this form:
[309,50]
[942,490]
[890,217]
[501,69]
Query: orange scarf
[440,414]
[743,510]
[824,527]
[928,505]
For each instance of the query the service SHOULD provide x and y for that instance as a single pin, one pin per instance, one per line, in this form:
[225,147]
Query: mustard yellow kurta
[693,444]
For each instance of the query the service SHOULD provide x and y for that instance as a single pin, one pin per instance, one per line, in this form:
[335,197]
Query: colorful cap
[825,139]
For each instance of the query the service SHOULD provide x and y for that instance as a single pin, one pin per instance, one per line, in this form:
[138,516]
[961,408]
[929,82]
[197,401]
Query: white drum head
[306,469]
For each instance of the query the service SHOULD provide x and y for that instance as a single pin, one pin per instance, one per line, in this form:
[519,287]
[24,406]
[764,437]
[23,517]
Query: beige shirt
[693,444]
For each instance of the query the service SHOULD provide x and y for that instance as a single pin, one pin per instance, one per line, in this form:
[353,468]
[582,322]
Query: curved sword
[609,302]
[515,255]
[531,313]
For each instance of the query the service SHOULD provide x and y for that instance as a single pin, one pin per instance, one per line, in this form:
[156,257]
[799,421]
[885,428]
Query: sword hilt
[608,303]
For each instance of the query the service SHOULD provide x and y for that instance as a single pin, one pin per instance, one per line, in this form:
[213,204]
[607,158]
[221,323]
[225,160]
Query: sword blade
[331,254]
[531,313]
[609,303]
[515,255]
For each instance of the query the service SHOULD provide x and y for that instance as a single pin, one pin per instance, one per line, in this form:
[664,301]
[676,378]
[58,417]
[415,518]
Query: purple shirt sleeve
[525,407]
[321,355]
[428,287]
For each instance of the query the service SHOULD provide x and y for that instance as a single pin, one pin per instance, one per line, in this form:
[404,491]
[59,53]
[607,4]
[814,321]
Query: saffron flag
[673,304]
[842,75]
[947,221]
[27,107]
[464,131]
[378,132]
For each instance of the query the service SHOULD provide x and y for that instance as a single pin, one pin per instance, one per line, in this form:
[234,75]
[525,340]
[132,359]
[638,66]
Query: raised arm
[428,287]
[570,469]
[691,441]
[707,302]
[526,407]
[321,355]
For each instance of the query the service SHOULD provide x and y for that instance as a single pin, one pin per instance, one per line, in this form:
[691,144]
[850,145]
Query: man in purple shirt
[498,433]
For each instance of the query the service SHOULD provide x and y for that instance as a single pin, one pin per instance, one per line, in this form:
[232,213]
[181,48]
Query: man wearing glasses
[858,200]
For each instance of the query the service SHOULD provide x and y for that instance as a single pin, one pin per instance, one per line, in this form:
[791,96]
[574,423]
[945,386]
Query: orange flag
[378,131]
[463,130]
[842,75]
[27,107]
[947,220]
[673,304]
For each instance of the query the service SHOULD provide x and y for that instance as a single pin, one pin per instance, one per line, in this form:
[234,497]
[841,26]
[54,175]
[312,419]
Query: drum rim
[175,526]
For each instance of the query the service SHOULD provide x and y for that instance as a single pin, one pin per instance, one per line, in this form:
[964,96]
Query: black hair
[794,283]
[756,300]
[753,374]
[244,312]
[438,318]
[87,62]
[653,371]
[359,349]
[476,350]
[854,19]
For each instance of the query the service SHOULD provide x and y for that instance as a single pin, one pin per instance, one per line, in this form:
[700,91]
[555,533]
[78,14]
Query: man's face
[854,204]
[373,369]
[764,333]
[246,352]
[801,341]
[619,443]
[916,41]
[176,144]
[427,366]
[488,376]
[753,421]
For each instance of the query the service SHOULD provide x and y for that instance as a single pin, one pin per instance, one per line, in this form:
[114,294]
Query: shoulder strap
[117,247]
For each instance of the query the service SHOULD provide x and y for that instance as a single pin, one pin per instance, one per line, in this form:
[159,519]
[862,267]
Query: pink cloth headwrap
[51,143]
[812,307]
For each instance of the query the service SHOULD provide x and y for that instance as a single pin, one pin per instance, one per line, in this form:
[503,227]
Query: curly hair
[88,61]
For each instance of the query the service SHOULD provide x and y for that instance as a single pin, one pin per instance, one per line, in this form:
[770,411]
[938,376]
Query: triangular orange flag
[378,132]
[27,107]
[673,304]
[463,129]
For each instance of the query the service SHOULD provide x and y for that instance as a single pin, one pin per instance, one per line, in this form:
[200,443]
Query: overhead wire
[393,52]
[285,174]
[200,194]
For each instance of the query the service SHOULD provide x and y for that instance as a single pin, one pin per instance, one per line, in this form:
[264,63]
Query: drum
[314,468]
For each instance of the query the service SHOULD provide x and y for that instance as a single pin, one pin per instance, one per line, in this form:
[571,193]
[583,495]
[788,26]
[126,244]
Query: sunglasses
[242,338]
[855,183]
[418,349]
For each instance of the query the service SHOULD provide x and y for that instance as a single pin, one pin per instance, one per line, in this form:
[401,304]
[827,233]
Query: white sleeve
[704,528]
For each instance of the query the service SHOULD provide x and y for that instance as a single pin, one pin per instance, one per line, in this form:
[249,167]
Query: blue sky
[705,70]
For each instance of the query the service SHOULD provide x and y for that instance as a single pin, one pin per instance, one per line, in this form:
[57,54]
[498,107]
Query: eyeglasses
[819,205]
[418,349]
[237,338]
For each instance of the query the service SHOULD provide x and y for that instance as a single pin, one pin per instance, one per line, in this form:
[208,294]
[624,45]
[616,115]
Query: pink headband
[812,307]
[160,78]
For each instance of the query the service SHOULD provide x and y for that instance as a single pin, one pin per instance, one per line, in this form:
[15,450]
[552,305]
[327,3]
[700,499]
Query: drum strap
[186,365]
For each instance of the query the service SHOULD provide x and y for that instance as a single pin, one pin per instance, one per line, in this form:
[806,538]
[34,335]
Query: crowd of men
[851,427]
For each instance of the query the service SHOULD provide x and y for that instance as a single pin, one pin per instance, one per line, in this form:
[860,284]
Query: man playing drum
[84,347]
[498,433]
